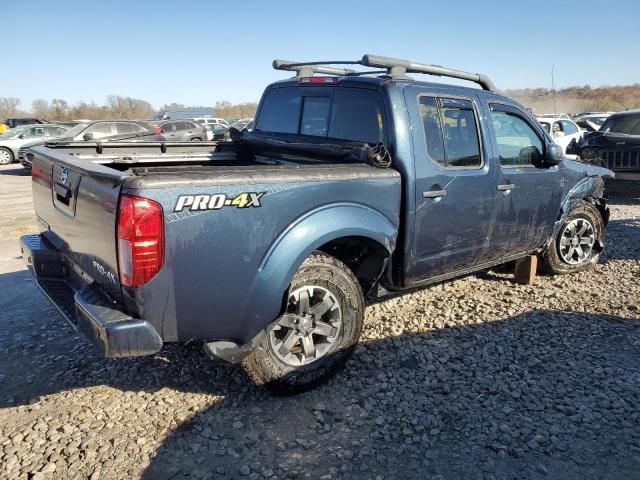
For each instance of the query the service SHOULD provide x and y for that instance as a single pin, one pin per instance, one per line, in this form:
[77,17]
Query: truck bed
[227,220]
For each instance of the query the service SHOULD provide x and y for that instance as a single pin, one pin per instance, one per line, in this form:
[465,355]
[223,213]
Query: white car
[562,130]
[211,123]
[12,140]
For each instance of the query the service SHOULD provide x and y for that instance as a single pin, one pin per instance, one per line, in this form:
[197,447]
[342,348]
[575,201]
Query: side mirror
[87,137]
[553,155]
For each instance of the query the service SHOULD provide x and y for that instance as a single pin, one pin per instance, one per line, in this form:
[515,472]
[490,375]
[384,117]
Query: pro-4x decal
[218,201]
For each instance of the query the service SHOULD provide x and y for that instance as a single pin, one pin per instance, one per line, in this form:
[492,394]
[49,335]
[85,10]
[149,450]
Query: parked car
[90,132]
[17,122]
[13,139]
[616,145]
[182,131]
[562,130]
[211,123]
[222,133]
[183,113]
[265,249]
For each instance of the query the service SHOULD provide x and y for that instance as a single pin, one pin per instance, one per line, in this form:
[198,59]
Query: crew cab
[353,184]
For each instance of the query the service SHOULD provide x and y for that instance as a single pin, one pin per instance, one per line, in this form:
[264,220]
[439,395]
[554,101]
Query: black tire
[266,368]
[196,139]
[554,261]
[6,156]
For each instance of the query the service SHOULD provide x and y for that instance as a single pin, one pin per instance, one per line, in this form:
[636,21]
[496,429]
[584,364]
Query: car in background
[90,132]
[591,122]
[3,127]
[182,131]
[244,125]
[18,122]
[183,113]
[211,122]
[563,130]
[616,145]
[12,140]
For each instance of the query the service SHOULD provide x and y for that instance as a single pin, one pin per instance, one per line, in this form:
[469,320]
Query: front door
[454,185]
[528,195]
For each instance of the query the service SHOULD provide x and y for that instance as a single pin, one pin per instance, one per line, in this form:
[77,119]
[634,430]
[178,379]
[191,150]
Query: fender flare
[289,250]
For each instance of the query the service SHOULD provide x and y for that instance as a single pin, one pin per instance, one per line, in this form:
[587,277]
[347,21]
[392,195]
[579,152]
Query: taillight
[140,240]
[316,80]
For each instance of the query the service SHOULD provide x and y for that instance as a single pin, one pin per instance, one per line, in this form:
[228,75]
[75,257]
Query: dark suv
[17,122]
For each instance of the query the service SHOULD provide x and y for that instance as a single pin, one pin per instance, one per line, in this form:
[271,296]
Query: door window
[34,132]
[451,132]
[168,127]
[100,130]
[569,127]
[122,128]
[518,143]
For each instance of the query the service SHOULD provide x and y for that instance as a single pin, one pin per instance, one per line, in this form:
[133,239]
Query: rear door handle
[434,194]
[505,187]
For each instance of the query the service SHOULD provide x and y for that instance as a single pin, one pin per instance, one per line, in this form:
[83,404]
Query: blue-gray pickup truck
[353,184]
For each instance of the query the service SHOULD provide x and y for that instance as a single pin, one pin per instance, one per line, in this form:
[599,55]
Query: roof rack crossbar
[307,69]
[399,67]
[395,67]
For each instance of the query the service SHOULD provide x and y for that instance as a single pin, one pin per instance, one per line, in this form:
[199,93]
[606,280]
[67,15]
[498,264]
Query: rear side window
[347,114]
[451,132]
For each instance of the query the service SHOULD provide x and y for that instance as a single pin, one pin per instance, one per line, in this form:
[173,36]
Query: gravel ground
[476,378]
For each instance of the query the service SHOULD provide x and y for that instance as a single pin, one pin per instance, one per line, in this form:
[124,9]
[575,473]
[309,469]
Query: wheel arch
[336,229]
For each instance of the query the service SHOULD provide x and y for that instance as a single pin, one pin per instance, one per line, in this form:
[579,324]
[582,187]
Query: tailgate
[76,205]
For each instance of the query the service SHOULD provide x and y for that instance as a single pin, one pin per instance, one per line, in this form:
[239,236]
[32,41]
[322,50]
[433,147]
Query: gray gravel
[476,378]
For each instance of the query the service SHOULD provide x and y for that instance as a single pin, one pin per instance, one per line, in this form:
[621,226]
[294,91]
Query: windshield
[625,124]
[72,132]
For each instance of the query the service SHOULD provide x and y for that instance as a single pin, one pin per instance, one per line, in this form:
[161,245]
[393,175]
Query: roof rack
[395,68]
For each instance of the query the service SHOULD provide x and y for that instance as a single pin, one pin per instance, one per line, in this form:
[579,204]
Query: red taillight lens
[318,80]
[140,240]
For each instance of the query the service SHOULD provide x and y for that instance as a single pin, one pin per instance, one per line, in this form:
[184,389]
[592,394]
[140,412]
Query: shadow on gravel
[17,171]
[545,392]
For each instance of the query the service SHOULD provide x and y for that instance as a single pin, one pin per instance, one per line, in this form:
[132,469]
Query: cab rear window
[340,113]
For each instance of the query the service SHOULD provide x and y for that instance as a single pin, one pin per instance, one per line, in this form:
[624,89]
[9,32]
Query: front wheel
[318,331]
[578,243]
[6,156]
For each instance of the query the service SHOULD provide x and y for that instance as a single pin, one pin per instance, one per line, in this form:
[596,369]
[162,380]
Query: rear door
[455,184]
[527,196]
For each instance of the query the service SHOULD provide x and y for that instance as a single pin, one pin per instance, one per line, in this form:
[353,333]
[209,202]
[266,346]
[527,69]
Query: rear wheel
[577,244]
[196,139]
[318,331]
[6,156]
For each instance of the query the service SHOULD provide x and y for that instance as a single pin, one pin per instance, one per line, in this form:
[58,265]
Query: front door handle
[434,194]
[505,187]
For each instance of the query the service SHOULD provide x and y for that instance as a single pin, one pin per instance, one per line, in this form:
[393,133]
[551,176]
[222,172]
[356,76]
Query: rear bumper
[85,307]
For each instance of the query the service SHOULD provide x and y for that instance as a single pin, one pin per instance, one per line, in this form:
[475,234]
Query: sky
[197,52]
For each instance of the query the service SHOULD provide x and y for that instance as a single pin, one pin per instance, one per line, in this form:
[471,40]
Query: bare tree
[40,108]
[127,107]
[9,107]
[59,109]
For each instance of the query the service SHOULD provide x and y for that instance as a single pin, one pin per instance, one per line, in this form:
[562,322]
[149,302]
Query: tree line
[116,107]
[579,99]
